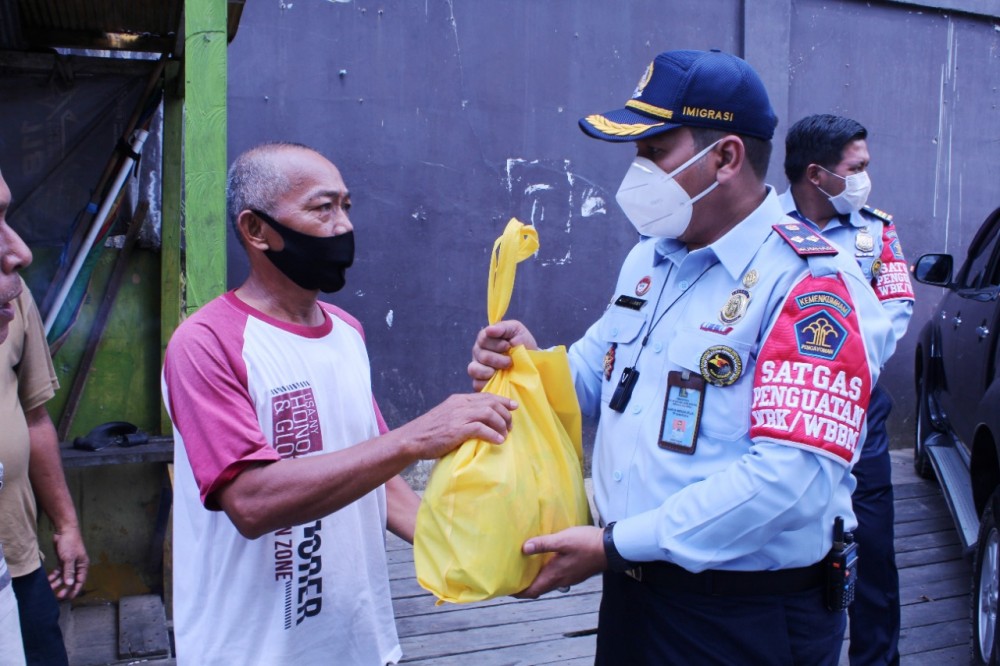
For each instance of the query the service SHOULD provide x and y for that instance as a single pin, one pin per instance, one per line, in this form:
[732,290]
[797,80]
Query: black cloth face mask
[312,262]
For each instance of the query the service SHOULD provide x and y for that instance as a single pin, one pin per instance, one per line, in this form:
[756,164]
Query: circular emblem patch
[721,365]
[735,307]
[643,286]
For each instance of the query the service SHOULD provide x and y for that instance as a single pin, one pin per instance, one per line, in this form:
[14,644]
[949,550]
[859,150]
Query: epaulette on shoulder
[880,214]
[804,240]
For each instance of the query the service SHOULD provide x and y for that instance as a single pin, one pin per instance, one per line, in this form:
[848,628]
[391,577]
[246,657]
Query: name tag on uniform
[682,412]
[630,302]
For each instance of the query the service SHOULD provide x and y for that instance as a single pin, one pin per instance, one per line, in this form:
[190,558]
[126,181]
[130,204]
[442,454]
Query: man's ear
[253,231]
[813,173]
[731,157]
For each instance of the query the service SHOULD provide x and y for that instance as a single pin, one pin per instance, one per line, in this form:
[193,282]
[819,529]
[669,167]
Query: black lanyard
[630,376]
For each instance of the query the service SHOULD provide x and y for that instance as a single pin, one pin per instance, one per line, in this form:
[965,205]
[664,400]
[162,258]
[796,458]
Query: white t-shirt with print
[243,388]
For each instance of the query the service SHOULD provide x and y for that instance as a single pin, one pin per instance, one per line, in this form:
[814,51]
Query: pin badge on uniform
[750,278]
[609,361]
[876,267]
[643,286]
[864,241]
[735,307]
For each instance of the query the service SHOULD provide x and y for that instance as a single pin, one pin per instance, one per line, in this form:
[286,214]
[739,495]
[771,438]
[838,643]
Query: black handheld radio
[841,568]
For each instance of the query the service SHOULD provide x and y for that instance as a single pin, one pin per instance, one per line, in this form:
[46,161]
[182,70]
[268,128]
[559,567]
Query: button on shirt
[739,502]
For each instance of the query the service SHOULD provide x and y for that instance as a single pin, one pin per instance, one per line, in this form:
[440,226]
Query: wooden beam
[204,150]
[171,267]
[47,37]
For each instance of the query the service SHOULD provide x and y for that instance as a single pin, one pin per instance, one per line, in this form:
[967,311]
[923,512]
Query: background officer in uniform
[826,162]
[730,373]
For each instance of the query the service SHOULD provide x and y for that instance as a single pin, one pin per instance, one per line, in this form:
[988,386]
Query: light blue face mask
[654,202]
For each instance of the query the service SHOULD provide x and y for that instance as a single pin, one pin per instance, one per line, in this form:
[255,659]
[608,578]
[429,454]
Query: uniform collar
[732,249]
[788,206]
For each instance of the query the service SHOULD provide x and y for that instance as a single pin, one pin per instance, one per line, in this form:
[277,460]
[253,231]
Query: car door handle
[983,331]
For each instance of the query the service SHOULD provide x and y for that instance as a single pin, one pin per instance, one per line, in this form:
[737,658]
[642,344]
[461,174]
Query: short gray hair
[255,181]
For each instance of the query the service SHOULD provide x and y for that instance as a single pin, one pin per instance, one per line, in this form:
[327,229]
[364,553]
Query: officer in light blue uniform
[826,161]
[731,374]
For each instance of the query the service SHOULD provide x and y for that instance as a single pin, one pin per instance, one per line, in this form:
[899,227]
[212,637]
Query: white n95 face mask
[857,187]
[654,202]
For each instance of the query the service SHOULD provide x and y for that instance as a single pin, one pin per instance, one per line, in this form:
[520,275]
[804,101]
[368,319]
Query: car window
[995,275]
[981,267]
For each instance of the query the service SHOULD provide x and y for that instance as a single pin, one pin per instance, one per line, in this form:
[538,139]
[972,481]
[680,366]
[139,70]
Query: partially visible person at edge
[826,162]
[286,474]
[14,255]
[731,375]
[29,451]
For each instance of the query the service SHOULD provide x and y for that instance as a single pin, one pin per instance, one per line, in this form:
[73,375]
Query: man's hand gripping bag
[484,500]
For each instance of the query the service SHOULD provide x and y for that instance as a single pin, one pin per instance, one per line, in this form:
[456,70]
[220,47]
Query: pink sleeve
[209,403]
[812,384]
[356,325]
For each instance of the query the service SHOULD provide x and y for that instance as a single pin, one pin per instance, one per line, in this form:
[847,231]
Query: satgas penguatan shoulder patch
[812,383]
[892,281]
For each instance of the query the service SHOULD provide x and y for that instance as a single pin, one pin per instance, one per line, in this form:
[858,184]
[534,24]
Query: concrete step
[135,629]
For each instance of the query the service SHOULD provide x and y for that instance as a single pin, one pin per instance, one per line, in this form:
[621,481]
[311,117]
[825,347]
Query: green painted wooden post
[205,44]
[171,270]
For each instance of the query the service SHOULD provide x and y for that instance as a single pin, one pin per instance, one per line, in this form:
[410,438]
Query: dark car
[958,412]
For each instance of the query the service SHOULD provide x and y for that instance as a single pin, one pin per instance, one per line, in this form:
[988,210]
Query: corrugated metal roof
[137,25]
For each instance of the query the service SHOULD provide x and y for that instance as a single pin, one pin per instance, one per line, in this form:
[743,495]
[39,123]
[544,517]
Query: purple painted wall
[449,117]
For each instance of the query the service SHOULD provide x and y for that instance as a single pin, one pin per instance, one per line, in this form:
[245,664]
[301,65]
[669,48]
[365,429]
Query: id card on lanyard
[682,409]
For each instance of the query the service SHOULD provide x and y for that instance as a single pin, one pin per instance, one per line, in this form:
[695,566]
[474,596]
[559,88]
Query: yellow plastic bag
[483,500]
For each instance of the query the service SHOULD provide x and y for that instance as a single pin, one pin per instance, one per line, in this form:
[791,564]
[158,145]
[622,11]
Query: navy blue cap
[709,89]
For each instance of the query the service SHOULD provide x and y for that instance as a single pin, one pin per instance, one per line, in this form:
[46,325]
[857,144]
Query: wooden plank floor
[559,628]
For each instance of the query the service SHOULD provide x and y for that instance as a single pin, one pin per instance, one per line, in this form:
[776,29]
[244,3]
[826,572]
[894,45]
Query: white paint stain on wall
[388,319]
[513,162]
[566,259]
[543,196]
[535,212]
[948,97]
[592,204]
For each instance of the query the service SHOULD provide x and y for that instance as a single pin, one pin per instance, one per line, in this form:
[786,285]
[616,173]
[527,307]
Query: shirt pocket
[619,330]
[726,410]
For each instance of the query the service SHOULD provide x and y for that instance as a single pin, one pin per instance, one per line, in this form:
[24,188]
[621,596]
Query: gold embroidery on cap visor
[602,124]
[650,109]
